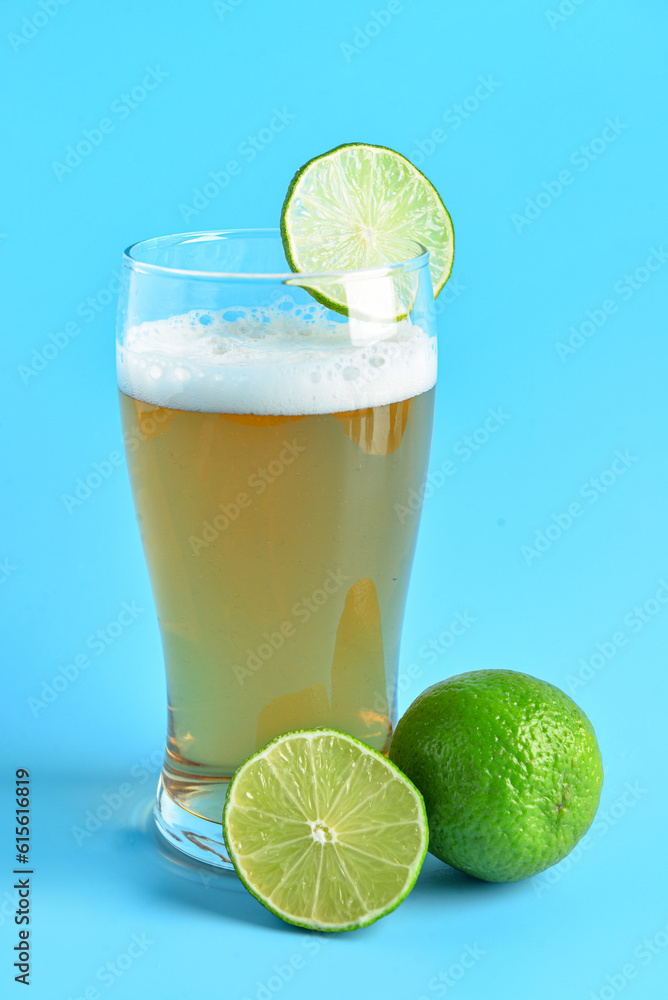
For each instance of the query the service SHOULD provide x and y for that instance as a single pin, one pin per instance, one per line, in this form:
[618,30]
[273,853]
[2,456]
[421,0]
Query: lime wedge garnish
[325,832]
[361,206]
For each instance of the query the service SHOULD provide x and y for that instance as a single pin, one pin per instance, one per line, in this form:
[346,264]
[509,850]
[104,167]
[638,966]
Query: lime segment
[361,206]
[324,831]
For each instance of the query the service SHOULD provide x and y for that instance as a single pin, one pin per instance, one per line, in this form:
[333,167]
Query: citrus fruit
[325,832]
[509,768]
[360,206]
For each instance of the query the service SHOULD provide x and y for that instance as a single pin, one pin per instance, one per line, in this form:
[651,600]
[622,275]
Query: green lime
[324,831]
[509,768]
[361,206]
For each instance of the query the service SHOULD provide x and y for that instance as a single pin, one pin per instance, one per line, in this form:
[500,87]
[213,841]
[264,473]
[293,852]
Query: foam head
[279,359]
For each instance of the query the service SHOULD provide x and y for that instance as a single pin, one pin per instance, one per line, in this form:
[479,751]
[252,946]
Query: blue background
[532,259]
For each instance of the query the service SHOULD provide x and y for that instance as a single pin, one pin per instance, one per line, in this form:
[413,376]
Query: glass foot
[190,832]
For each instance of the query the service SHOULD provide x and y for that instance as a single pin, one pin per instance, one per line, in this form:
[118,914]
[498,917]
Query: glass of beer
[276,427]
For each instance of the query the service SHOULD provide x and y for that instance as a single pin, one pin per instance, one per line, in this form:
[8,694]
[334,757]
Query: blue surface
[526,274]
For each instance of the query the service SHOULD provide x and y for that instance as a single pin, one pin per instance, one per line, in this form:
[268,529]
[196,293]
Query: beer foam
[283,359]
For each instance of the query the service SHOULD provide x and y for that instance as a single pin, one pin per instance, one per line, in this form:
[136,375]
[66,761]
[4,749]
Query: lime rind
[360,206]
[330,864]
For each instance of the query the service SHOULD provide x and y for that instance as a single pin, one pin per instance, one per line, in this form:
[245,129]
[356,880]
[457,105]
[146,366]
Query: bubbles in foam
[279,359]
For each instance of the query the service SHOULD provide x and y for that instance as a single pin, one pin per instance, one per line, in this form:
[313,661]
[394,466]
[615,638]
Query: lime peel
[361,206]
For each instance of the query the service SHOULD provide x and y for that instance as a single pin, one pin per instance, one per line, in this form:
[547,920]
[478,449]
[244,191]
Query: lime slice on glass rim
[361,206]
[324,831]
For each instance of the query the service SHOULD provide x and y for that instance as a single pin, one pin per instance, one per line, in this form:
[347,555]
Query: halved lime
[325,832]
[361,206]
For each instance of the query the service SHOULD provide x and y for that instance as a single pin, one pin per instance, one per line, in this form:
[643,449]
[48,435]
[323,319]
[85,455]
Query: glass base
[190,832]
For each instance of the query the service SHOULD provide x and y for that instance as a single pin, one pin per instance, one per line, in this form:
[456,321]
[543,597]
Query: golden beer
[279,569]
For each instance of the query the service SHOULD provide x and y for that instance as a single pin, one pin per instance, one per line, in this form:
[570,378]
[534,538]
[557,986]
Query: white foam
[279,359]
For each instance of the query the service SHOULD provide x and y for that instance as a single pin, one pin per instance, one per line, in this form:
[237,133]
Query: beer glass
[277,430]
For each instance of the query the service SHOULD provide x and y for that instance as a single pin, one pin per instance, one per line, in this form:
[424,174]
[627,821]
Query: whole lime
[509,769]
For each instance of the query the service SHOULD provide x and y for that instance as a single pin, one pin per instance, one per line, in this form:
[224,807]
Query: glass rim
[209,235]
